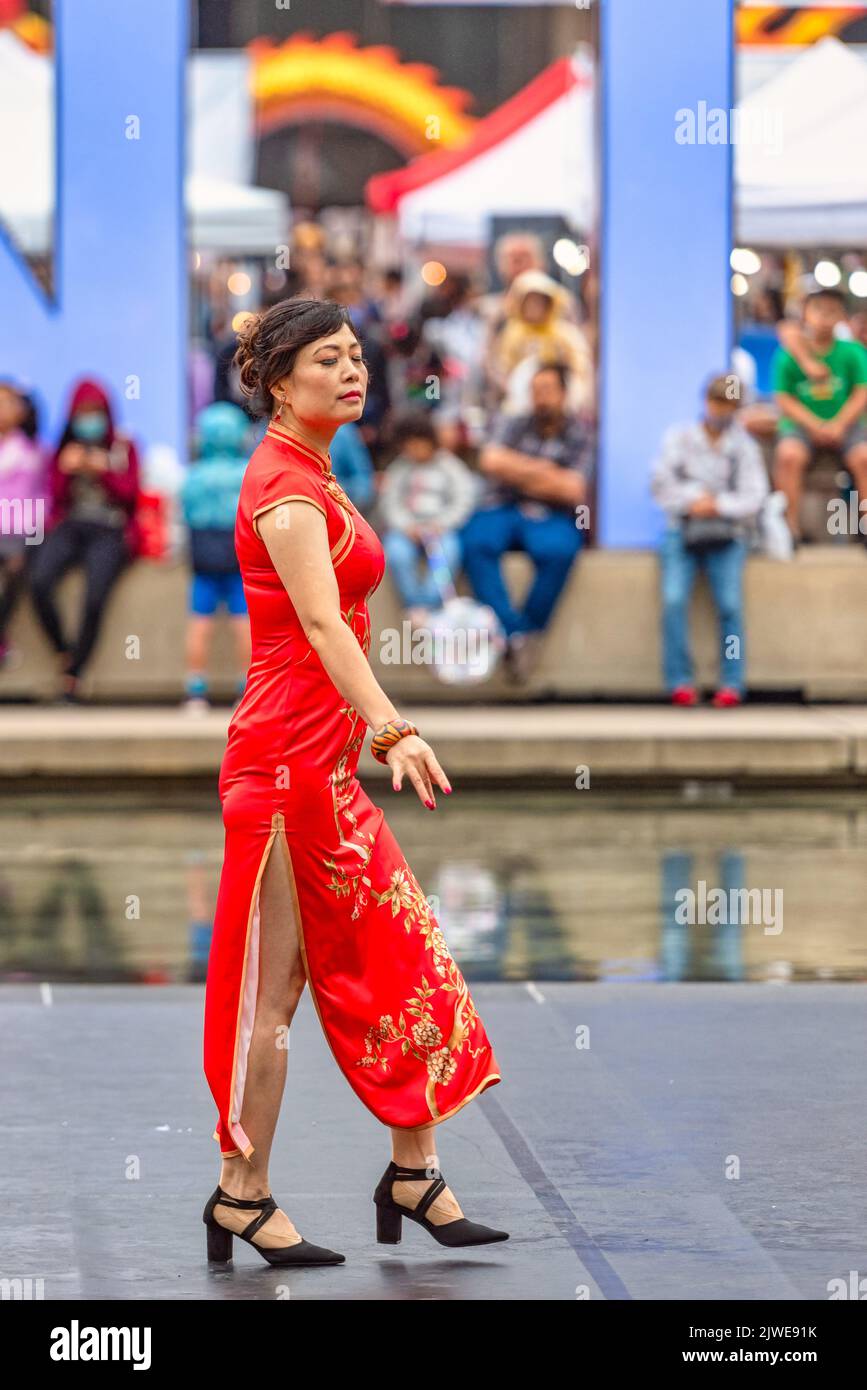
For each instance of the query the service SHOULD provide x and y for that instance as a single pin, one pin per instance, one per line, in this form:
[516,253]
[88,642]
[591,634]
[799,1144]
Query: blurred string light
[858,284]
[744,261]
[433,272]
[238,283]
[827,274]
[571,257]
[740,284]
[240,319]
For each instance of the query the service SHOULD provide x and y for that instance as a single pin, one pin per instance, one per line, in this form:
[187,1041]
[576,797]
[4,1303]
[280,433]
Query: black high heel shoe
[220,1237]
[390,1214]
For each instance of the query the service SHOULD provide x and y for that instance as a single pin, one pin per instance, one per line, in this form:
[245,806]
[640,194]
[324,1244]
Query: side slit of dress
[247,1004]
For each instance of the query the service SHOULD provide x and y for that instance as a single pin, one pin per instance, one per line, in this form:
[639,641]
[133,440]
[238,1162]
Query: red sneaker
[726,698]
[684,695]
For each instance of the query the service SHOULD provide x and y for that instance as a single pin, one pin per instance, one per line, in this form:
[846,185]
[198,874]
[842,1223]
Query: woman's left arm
[296,538]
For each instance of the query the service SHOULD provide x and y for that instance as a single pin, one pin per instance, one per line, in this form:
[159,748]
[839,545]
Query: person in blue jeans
[537,468]
[711,481]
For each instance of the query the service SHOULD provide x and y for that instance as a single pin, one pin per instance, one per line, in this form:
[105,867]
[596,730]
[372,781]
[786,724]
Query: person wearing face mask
[711,481]
[95,486]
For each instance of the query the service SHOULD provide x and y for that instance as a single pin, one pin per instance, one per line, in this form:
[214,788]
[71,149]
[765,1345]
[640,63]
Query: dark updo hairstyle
[269,342]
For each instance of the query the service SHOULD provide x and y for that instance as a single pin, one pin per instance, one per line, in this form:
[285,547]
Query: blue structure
[666,316]
[119,311]
[121,295]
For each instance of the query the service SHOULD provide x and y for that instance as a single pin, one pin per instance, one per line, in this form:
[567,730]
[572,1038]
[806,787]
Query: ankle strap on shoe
[226,1200]
[401,1174]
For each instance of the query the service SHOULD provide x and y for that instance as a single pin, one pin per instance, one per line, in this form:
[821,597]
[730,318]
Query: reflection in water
[700,951]
[526,885]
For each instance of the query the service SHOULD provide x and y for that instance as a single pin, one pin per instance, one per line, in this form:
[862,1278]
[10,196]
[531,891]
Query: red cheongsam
[392,1002]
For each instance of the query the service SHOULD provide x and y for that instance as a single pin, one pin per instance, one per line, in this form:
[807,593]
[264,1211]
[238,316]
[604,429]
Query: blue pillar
[665,305]
[119,308]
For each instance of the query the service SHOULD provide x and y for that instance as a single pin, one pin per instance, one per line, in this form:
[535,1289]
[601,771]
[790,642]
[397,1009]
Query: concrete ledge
[806,633]
[645,746]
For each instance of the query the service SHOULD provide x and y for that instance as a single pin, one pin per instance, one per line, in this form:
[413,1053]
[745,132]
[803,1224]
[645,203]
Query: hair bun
[248,354]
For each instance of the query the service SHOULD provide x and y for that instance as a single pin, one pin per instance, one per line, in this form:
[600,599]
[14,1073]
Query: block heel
[390,1214]
[219,1244]
[389,1224]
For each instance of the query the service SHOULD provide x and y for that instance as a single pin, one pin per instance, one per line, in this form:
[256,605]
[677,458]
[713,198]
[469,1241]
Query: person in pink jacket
[23,498]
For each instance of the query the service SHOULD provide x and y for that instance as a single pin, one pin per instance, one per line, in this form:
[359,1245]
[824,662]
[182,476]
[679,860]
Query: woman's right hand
[413,758]
[71,458]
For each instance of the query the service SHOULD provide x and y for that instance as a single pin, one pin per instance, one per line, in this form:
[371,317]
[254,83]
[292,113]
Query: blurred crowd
[477,439]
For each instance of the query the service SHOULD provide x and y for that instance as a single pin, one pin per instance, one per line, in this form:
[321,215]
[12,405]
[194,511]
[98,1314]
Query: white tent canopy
[800,171]
[546,166]
[223,216]
[235,219]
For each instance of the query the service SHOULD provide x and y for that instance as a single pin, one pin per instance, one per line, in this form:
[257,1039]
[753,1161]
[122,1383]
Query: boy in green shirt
[823,412]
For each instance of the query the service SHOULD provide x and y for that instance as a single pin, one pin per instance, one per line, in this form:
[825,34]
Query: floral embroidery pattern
[343,884]
[422,1039]
[360,630]
[416,1032]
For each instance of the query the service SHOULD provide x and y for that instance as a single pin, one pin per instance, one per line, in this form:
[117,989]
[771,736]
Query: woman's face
[11,410]
[328,383]
[89,424]
[535,307]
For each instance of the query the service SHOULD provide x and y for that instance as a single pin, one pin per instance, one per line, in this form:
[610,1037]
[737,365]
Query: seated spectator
[822,408]
[537,468]
[95,488]
[535,333]
[711,481]
[426,495]
[456,333]
[764,314]
[209,498]
[352,465]
[23,498]
[515,252]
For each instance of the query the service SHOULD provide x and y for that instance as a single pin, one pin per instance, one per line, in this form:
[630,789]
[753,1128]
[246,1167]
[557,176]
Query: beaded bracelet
[388,736]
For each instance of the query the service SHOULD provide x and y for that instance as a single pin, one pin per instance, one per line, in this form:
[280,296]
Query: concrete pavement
[705,1144]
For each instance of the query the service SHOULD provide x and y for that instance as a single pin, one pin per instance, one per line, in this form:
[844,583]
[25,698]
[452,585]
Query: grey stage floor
[607,1164]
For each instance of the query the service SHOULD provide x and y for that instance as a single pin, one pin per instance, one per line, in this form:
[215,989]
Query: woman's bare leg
[281,984]
[417,1149]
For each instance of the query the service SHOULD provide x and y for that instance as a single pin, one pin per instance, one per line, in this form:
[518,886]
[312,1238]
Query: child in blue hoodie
[209,498]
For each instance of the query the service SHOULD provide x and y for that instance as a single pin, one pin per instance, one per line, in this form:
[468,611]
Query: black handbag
[212,550]
[711,532]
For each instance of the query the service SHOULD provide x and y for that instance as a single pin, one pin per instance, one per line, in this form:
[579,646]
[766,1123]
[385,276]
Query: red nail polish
[447,790]
[429,804]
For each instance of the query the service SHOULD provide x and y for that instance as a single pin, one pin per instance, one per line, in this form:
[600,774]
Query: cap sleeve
[287,485]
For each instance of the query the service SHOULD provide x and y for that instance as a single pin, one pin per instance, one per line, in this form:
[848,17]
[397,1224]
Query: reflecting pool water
[526,885]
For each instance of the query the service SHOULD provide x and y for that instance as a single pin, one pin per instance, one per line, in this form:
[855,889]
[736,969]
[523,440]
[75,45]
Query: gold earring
[280,407]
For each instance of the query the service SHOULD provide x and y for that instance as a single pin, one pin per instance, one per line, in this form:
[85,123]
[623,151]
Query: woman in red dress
[314,888]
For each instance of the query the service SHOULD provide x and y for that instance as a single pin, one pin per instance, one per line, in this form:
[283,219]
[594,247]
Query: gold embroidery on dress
[423,1039]
[342,883]
[416,1032]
